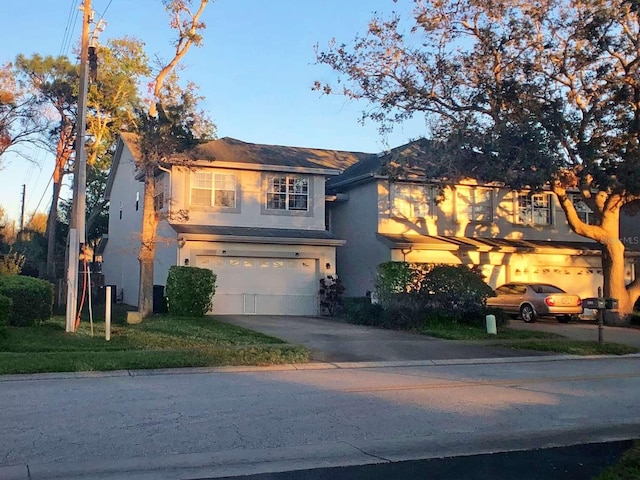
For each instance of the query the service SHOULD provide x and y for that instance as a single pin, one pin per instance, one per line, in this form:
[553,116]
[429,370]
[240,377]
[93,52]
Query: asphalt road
[222,422]
[581,462]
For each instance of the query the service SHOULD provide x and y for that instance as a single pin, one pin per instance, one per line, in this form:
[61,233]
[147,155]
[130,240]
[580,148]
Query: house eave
[114,167]
[328,172]
[355,181]
[265,236]
[486,245]
[203,237]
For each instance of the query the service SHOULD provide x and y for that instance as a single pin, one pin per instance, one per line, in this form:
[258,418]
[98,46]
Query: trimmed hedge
[190,291]
[32,299]
[361,311]
[6,304]
[414,294]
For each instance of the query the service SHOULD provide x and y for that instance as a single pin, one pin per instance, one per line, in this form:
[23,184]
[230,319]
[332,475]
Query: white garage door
[268,286]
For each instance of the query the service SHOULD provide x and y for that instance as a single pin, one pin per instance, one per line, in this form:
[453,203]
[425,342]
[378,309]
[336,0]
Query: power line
[72,18]
[44,193]
[105,10]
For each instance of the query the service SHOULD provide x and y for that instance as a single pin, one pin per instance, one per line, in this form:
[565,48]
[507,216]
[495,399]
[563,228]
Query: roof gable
[409,157]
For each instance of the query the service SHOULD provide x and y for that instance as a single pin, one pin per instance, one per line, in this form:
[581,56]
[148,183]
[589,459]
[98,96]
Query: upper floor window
[213,189]
[534,209]
[286,192]
[582,209]
[413,201]
[476,203]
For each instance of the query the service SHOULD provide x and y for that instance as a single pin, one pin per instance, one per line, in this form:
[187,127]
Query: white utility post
[107,314]
[77,221]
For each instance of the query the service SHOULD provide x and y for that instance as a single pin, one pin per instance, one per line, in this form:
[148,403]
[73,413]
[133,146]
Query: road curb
[241,462]
[303,366]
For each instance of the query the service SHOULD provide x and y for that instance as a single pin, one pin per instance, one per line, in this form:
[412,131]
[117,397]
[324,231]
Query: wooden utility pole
[77,222]
[24,192]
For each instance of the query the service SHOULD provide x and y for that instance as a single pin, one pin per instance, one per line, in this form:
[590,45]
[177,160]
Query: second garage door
[267,286]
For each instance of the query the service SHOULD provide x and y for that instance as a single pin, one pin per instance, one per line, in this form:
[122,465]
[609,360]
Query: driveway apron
[332,340]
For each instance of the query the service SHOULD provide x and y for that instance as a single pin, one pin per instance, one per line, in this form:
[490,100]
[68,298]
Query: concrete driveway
[332,340]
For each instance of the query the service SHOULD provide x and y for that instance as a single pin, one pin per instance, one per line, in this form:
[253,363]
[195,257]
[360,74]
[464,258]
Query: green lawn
[524,339]
[628,468]
[163,341]
[159,342]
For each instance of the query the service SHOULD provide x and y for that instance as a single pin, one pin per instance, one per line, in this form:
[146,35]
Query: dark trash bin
[159,300]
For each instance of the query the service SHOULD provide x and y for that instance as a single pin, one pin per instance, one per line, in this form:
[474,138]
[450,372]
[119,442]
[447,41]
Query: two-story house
[254,214]
[511,235]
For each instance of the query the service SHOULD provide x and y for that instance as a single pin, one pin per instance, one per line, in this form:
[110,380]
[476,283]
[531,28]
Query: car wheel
[527,313]
[564,318]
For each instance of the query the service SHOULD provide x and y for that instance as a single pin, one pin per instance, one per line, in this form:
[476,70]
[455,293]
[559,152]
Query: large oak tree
[172,125]
[534,94]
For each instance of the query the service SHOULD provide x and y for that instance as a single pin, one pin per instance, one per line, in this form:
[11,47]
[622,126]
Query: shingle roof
[229,149]
[412,155]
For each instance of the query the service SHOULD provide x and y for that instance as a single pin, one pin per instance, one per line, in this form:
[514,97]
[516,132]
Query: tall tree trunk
[607,234]
[147,253]
[63,153]
[52,223]
[614,283]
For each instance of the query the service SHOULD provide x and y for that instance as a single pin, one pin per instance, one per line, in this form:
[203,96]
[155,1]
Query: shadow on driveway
[332,340]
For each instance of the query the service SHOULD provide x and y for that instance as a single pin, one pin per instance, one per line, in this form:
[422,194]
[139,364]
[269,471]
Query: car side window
[550,289]
[519,290]
[504,290]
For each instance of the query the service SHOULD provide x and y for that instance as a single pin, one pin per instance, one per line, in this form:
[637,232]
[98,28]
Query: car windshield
[541,288]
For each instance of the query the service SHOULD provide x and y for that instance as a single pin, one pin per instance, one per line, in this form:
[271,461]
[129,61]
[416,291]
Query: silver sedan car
[532,300]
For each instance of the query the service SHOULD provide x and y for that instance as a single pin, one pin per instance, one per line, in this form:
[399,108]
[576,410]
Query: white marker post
[491,324]
[107,314]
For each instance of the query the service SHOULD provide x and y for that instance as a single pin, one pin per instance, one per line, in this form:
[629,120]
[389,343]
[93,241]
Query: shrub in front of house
[190,291]
[5,309]
[456,291]
[331,290]
[31,299]
[361,311]
[414,294]
[6,304]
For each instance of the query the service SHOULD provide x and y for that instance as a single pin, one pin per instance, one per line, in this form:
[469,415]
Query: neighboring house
[254,214]
[630,227]
[512,236]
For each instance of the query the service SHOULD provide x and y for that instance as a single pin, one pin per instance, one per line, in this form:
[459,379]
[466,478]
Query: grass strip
[628,468]
[86,361]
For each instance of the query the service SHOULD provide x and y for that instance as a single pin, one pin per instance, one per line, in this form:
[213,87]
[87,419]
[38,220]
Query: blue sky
[255,69]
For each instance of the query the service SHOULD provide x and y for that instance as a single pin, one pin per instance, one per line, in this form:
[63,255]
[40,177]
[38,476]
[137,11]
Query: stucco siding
[120,259]
[450,218]
[250,197]
[356,221]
